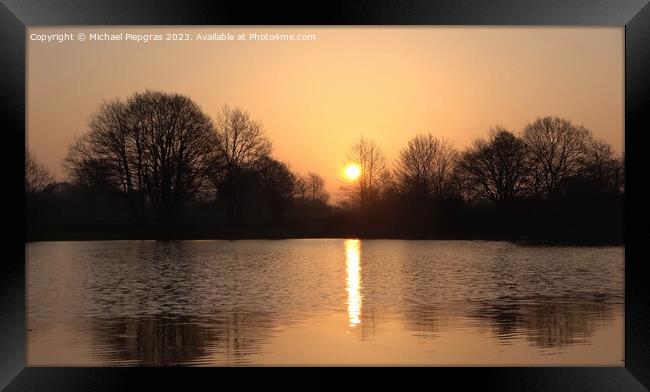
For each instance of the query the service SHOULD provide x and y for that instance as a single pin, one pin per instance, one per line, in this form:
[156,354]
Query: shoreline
[243,237]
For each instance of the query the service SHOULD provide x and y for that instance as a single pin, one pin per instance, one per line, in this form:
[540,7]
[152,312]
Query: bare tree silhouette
[242,144]
[425,166]
[556,147]
[37,176]
[111,155]
[302,186]
[38,180]
[602,167]
[278,185]
[316,186]
[495,169]
[374,174]
[155,145]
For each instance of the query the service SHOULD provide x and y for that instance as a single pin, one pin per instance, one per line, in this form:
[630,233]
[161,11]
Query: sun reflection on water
[352,261]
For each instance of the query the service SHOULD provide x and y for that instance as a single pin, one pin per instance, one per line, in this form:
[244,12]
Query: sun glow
[352,171]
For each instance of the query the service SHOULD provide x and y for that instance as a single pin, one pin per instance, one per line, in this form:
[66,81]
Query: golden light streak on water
[352,261]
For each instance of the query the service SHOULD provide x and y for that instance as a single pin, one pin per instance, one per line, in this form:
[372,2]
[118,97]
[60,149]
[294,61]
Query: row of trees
[549,156]
[157,152]
[161,150]
[551,181]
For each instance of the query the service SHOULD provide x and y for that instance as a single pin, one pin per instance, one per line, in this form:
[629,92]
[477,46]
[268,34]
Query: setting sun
[352,171]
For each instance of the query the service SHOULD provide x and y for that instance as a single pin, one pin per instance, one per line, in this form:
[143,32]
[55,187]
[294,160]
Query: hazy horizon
[316,98]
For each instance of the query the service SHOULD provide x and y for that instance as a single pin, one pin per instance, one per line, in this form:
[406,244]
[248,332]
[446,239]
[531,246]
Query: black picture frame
[15,15]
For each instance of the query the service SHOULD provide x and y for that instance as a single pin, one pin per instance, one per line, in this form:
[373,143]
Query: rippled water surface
[323,301]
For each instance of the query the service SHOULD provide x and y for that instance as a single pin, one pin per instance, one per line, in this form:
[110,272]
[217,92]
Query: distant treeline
[155,166]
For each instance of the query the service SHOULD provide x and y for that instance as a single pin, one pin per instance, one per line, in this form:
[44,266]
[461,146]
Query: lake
[323,302]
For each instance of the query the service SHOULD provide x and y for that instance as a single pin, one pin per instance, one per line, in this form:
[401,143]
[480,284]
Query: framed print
[452,186]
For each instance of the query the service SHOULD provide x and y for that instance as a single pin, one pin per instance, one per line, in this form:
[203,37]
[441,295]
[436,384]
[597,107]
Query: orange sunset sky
[316,98]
